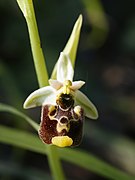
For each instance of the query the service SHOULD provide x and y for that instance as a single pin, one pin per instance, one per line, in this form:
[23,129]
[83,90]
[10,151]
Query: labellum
[62,122]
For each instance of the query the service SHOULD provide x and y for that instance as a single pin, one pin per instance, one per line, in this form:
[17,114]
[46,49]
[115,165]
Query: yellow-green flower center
[66,86]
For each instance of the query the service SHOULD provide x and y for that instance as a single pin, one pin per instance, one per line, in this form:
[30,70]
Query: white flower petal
[89,108]
[64,68]
[39,97]
[77,85]
[55,84]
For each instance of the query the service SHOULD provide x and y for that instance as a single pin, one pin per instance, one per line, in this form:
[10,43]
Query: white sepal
[64,68]
[45,95]
[89,108]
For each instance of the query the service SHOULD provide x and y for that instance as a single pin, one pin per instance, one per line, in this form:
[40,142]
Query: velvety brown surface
[48,126]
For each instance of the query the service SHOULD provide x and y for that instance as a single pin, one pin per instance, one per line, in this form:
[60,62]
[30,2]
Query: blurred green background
[105,60]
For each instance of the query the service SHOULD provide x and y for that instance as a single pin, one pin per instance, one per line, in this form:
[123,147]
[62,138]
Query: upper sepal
[64,68]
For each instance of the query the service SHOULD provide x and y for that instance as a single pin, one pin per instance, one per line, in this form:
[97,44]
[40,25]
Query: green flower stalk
[27,9]
[64,107]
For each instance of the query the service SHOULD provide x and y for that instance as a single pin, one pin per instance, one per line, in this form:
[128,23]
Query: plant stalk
[39,61]
[28,10]
[54,163]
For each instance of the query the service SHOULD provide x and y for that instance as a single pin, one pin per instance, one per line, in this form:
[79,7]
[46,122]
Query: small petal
[55,84]
[89,108]
[45,95]
[77,85]
[64,68]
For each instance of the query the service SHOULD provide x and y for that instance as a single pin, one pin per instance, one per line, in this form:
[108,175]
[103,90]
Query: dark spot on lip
[64,120]
[65,101]
[53,112]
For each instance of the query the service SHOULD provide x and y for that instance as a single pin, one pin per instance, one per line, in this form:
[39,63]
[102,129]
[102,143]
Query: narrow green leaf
[10,109]
[90,162]
[22,139]
[80,158]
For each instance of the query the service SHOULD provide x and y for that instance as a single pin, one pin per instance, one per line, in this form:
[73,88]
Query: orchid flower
[47,94]
[64,107]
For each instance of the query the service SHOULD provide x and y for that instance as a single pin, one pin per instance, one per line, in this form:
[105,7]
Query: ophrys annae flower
[64,107]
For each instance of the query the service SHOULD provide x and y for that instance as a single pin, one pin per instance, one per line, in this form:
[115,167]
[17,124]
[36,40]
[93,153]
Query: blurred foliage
[106,63]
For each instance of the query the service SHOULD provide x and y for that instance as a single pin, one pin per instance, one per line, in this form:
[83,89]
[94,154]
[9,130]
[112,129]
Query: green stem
[55,163]
[37,52]
[28,10]
[42,75]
